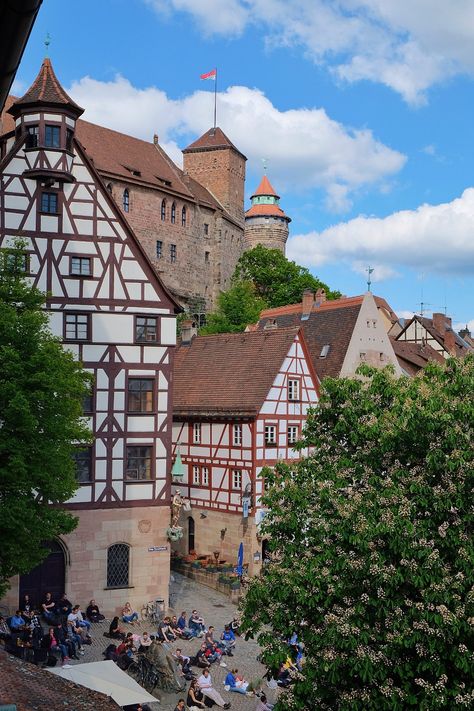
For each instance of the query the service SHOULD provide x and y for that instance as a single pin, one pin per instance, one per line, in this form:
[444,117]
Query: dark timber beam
[17,18]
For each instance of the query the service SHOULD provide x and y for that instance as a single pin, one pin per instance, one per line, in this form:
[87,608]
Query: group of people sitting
[68,630]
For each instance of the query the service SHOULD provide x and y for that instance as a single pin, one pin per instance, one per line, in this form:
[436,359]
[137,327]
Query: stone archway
[48,576]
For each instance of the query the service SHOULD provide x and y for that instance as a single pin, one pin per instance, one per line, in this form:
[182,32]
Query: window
[324,351]
[88,403]
[362,356]
[77,327]
[237,478]
[49,203]
[205,476]
[138,463]
[15,261]
[183,217]
[197,433]
[237,435]
[69,135]
[173,252]
[270,435]
[292,434]
[83,461]
[196,477]
[81,266]
[118,565]
[126,200]
[32,137]
[206,228]
[206,257]
[52,136]
[163,210]
[159,249]
[200,475]
[173,213]
[146,329]
[140,394]
[293,389]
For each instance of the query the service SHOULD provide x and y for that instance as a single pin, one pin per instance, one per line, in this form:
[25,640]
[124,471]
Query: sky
[363,111]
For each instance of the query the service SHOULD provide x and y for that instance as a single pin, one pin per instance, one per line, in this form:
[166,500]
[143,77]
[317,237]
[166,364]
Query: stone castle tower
[214,162]
[265,221]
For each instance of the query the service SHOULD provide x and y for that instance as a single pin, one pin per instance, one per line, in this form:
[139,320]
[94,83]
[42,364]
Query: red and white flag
[210,75]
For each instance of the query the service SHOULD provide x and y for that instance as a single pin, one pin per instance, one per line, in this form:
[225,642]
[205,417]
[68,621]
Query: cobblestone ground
[217,610]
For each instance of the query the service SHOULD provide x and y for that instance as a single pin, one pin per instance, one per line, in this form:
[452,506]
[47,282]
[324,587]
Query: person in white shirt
[205,684]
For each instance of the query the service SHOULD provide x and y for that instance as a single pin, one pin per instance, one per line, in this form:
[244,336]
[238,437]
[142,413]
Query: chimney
[188,332]
[270,324]
[320,297]
[450,341]
[307,304]
[155,139]
[441,322]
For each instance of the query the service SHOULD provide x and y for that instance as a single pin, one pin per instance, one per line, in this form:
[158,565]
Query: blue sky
[362,108]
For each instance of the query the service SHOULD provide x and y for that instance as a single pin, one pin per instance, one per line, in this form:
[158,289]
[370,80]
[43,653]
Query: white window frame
[196,433]
[293,389]
[270,442]
[196,475]
[293,437]
[237,435]
[205,476]
[237,479]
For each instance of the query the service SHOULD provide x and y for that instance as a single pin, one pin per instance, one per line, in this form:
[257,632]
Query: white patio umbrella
[107,678]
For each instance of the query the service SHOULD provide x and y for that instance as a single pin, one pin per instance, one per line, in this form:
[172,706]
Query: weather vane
[265,161]
[369,271]
[47,42]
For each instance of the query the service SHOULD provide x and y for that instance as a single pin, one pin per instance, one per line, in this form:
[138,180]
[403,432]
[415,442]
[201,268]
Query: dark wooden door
[48,576]
[190,534]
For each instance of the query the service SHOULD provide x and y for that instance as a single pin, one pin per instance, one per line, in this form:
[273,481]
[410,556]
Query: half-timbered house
[240,402]
[108,306]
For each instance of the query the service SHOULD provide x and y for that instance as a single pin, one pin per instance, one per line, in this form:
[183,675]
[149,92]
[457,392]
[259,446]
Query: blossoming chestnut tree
[372,547]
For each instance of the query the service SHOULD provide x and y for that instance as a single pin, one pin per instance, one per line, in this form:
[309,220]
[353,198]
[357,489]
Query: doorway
[48,576]
[191,527]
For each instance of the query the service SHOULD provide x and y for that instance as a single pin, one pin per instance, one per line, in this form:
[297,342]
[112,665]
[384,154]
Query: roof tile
[46,89]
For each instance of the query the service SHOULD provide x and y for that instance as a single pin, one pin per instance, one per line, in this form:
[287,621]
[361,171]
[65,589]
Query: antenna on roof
[47,42]
[369,271]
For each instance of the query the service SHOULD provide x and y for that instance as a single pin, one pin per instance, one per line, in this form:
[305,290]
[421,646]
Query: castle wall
[267,231]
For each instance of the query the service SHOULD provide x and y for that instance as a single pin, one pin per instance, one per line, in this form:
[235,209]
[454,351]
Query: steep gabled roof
[33,689]
[230,373]
[461,347]
[214,139]
[45,89]
[412,357]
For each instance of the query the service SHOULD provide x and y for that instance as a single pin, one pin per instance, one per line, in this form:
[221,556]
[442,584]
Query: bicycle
[144,673]
[150,612]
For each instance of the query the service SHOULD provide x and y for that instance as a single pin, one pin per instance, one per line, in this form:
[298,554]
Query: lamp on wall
[177,470]
[203,515]
[223,532]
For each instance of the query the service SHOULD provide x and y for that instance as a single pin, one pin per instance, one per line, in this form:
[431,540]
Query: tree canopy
[372,547]
[276,279]
[41,393]
[236,309]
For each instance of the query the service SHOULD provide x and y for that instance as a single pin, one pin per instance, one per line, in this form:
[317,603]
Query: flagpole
[215,103]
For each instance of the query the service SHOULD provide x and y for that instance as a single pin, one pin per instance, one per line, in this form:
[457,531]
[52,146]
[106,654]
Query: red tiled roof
[212,139]
[46,89]
[33,689]
[229,373]
[265,188]
[412,357]
[262,210]
[461,347]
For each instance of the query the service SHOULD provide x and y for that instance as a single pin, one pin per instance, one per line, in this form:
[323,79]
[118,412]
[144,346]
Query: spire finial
[369,271]
[265,161]
[47,42]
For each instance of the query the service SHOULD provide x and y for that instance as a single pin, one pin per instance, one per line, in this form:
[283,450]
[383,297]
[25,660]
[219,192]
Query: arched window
[109,188]
[183,217]
[118,565]
[126,200]
[163,210]
[173,213]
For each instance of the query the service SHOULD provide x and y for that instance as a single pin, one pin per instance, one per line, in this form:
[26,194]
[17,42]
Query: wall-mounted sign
[156,549]
[245,507]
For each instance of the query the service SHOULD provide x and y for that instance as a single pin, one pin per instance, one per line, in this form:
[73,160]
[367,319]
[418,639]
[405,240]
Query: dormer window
[173,214]
[32,137]
[126,200]
[324,351]
[52,136]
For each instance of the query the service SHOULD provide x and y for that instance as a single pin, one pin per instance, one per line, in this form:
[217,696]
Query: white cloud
[408,46]
[309,150]
[462,324]
[380,272]
[433,238]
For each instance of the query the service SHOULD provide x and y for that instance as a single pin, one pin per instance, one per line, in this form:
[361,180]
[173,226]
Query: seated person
[235,625]
[196,697]
[17,622]
[48,607]
[128,614]
[209,635]
[180,706]
[63,608]
[5,631]
[200,659]
[228,640]
[205,684]
[144,642]
[35,627]
[186,633]
[234,683]
[165,633]
[283,676]
[76,617]
[115,631]
[263,705]
[26,607]
[93,612]
[183,661]
[73,635]
[176,629]
[196,624]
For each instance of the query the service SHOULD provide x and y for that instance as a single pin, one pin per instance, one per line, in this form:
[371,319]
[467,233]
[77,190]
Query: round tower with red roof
[265,221]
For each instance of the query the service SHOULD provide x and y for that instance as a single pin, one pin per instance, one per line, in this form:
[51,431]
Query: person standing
[205,684]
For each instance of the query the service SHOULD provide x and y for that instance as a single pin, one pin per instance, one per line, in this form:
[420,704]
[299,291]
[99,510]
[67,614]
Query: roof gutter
[17,18]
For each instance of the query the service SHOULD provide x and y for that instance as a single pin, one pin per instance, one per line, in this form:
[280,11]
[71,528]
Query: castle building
[240,402]
[109,307]
[265,221]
